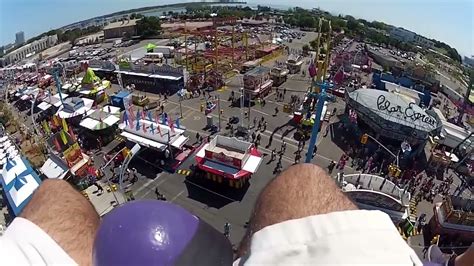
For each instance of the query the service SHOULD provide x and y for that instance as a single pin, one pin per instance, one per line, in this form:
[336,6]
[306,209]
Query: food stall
[228,160]
[257,83]
[100,127]
[279,75]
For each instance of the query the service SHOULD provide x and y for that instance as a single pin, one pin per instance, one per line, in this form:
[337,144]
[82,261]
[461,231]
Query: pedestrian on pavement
[284,91]
[315,150]
[264,126]
[254,122]
[297,158]
[326,132]
[283,147]
[227,230]
[272,155]
[259,125]
[258,137]
[100,189]
[162,108]
[331,166]
[264,103]
[253,136]
[198,137]
[276,111]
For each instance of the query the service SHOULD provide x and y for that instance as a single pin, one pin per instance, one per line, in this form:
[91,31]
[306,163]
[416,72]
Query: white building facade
[30,49]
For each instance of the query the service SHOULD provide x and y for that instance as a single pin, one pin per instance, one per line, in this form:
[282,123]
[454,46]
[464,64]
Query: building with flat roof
[120,28]
[30,49]
[402,34]
[19,38]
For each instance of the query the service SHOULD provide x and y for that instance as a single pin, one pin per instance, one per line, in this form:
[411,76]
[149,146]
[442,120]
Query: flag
[71,133]
[163,119]
[177,122]
[144,127]
[55,121]
[152,128]
[125,118]
[56,144]
[65,127]
[46,127]
[312,69]
[137,125]
[143,114]
[159,129]
[62,134]
[106,98]
[339,76]
[130,112]
[150,117]
[170,124]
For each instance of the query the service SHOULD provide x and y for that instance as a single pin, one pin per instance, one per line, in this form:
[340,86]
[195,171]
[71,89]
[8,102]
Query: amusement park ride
[225,51]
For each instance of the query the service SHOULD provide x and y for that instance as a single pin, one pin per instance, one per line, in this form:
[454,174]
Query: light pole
[133,151]
[219,110]
[322,97]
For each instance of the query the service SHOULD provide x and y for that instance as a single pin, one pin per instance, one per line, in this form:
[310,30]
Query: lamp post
[135,149]
[322,97]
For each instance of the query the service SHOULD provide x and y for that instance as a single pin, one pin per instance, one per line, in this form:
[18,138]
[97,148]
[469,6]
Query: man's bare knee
[66,216]
[300,191]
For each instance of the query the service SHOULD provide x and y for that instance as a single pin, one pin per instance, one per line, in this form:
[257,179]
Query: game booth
[257,83]
[74,108]
[391,117]
[452,222]
[228,160]
[100,127]
[164,139]
[152,78]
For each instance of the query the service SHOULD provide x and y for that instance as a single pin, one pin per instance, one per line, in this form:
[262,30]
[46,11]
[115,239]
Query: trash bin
[210,121]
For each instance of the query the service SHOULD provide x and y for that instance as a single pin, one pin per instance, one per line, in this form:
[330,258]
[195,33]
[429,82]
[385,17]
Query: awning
[180,141]
[19,182]
[52,168]
[252,164]
[89,123]
[44,106]
[143,141]
[111,109]
[80,164]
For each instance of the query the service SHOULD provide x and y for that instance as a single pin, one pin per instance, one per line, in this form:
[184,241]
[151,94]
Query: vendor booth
[75,108]
[117,99]
[100,127]
[228,160]
[55,168]
[168,143]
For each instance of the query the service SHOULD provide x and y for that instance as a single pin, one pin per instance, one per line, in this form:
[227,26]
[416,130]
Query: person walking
[227,230]
[264,126]
[315,150]
[283,147]
[258,138]
[272,155]
[331,166]
[276,111]
[254,122]
[254,136]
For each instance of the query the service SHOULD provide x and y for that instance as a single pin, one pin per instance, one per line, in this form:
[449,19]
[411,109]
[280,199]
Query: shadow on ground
[211,193]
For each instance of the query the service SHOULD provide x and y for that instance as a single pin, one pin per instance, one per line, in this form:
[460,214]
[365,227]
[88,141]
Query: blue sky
[451,21]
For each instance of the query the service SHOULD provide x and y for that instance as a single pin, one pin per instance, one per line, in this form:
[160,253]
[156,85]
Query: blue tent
[19,181]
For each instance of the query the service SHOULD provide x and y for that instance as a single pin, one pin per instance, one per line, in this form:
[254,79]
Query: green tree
[148,26]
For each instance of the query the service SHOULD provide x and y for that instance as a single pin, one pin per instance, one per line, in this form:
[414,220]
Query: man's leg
[66,216]
[300,191]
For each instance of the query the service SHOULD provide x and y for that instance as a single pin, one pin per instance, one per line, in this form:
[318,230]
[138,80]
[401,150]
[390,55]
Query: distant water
[161,11]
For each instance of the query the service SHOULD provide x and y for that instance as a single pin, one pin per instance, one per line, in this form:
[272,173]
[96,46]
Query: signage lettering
[385,105]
